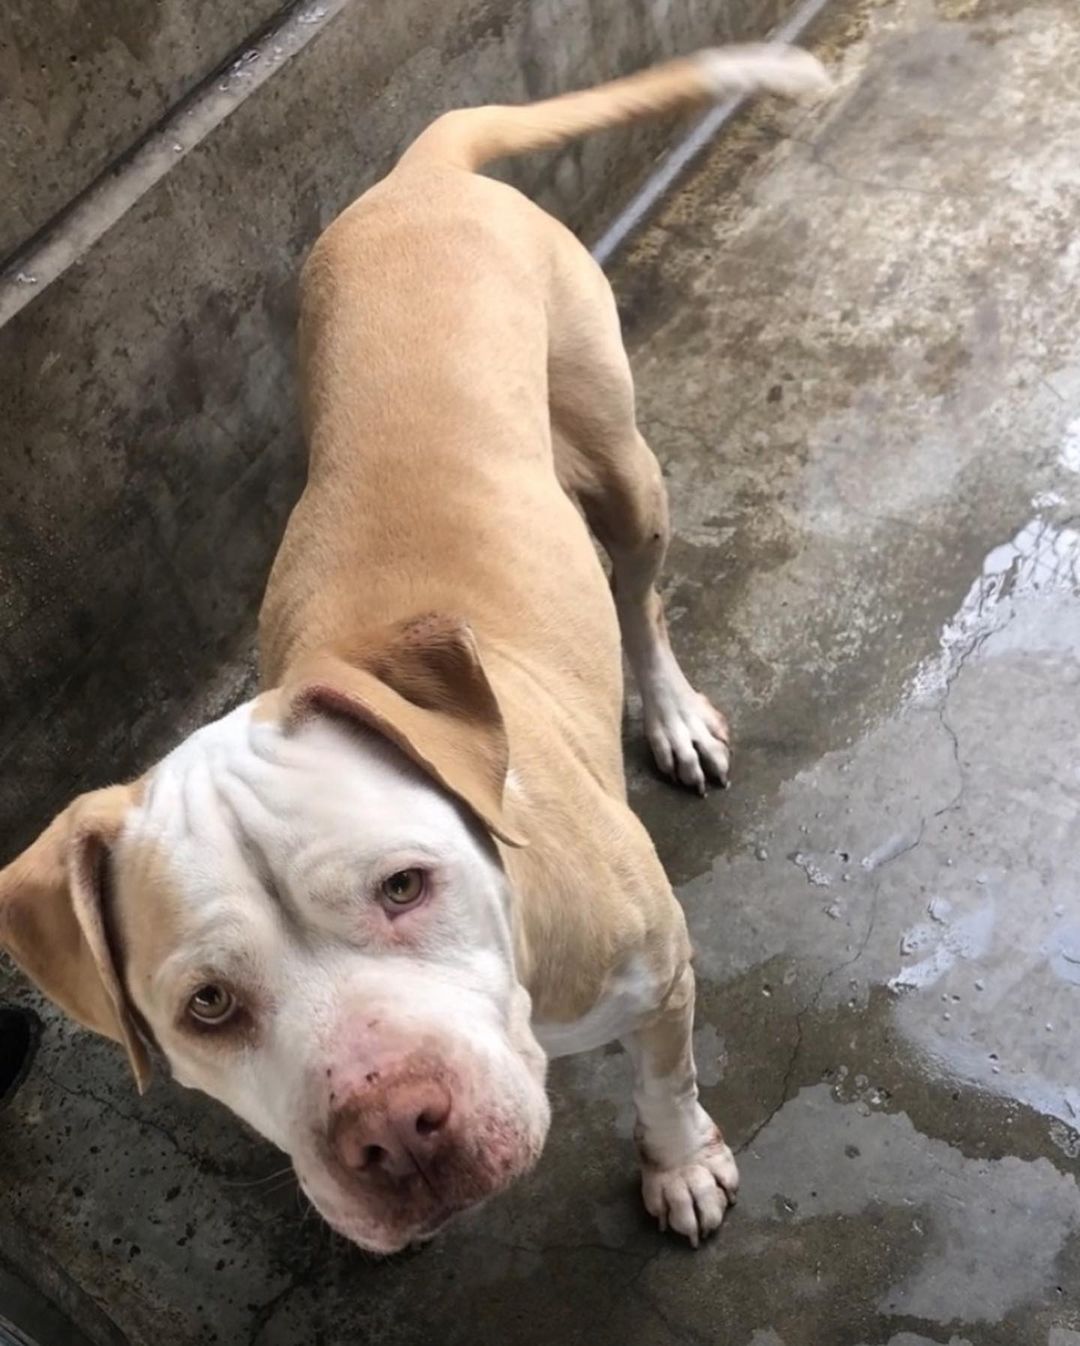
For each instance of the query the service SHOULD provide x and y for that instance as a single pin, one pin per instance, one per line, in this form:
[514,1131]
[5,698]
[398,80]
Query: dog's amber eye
[212,1004]
[404,888]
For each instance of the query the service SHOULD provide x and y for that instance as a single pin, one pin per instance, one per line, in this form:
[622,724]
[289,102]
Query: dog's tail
[471,137]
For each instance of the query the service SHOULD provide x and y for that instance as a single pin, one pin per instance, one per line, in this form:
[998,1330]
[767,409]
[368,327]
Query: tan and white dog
[364,908]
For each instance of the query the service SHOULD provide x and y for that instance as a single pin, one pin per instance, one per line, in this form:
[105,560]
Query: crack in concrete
[954,740]
[785,1086]
[306,1275]
[808,1008]
[972,648]
[679,1332]
[301,1279]
[1044,382]
[541,1249]
[267,1311]
[109,1106]
[202,1162]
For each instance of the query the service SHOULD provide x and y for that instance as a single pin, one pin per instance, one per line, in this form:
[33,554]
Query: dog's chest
[629,994]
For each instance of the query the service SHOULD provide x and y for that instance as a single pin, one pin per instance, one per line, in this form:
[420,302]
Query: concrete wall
[81,80]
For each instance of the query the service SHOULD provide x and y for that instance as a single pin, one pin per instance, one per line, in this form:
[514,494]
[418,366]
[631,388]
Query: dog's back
[436,312]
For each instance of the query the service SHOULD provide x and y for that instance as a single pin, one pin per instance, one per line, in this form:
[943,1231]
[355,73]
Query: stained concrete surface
[858,356]
[79,83]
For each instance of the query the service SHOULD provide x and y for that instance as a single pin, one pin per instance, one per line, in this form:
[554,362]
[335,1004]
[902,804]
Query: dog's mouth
[386,1215]
[390,1226]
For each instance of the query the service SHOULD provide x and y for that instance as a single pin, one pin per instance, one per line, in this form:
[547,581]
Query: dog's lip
[418,1237]
[435,1222]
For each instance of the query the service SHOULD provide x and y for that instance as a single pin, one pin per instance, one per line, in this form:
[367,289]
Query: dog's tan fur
[484,377]
[475,448]
[469,409]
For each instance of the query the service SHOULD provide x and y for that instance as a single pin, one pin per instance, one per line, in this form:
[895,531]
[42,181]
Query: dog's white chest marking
[631,992]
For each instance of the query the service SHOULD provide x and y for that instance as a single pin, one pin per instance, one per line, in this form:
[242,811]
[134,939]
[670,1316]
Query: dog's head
[303,908]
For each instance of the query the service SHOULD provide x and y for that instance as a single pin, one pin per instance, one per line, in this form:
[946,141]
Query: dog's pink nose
[396,1131]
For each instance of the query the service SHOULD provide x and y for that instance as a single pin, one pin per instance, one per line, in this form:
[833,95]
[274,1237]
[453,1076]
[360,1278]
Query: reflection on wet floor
[1041,563]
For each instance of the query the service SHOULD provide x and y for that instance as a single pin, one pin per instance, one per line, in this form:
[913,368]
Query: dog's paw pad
[693,1198]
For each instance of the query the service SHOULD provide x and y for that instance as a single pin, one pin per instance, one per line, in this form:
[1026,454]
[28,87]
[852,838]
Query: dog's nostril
[371,1156]
[433,1115]
[429,1122]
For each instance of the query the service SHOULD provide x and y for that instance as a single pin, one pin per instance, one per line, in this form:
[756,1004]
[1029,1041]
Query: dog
[366,907]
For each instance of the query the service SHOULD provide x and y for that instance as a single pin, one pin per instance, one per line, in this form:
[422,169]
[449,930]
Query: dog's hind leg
[604,462]
[688,736]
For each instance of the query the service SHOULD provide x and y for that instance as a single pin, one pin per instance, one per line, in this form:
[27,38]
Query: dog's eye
[212,1004]
[403,888]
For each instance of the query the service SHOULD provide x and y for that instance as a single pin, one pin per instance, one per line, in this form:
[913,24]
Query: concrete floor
[856,333]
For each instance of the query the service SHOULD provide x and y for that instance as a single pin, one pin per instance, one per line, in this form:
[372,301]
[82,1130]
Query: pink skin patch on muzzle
[407,1143]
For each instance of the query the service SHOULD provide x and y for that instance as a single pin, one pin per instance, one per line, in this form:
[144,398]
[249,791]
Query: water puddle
[943,940]
[1040,564]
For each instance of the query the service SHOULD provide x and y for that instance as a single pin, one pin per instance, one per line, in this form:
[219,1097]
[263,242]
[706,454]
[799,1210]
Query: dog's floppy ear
[53,920]
[420,684]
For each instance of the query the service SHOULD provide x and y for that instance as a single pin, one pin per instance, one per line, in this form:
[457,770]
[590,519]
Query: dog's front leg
[688,1173]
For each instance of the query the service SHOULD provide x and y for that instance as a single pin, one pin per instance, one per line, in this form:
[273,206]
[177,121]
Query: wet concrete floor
[856,333]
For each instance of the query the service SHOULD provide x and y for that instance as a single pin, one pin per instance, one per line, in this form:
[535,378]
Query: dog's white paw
[692,1198]
[687,734]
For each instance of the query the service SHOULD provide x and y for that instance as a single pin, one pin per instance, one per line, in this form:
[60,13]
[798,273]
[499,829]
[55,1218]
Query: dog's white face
[318,937]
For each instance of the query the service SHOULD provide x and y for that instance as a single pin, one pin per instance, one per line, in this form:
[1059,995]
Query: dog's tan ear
[421,685]
[53,919]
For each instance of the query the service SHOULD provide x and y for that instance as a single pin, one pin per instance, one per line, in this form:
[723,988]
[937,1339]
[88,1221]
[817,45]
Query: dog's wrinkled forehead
[246,820]
[244,791]
[244,774]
